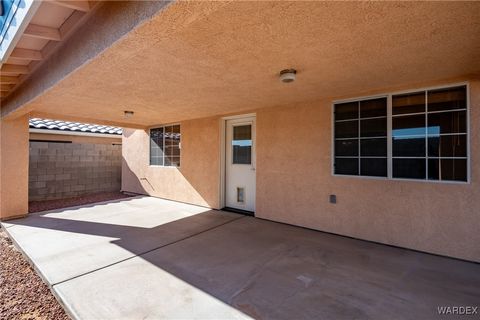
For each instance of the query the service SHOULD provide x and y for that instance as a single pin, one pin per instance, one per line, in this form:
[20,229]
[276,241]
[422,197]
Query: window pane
[346,129]
[447,169]
[156,146]
[376,147]
[408,125]
[409,168]
[408,103]
[347,166]
[447,122]
[373,167]
[174,161]
[156,161]
[242,144]
[346,147]
[447,146]
[345,111]
[447,99]
[373,127]
[408,146]
[373,108]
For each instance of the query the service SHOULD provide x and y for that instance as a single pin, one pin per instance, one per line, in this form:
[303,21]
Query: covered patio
[145,257]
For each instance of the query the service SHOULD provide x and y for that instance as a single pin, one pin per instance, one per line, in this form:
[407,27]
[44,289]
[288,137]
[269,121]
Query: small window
[165,146]
[428,137]
[242,144]
[361,138]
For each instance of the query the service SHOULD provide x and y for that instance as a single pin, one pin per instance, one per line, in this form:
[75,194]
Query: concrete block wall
[62,170]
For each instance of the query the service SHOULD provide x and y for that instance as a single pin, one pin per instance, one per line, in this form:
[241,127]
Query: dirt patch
[23,295]
[44,205]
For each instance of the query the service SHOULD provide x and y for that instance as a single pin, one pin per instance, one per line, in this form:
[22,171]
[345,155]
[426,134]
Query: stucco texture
[196,59]
[294,181]
[13,168]
[198,178]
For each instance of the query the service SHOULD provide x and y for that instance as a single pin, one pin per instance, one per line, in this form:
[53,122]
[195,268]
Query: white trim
[23,15]
[223,134]
[390,138]
[76,133]
[163,143]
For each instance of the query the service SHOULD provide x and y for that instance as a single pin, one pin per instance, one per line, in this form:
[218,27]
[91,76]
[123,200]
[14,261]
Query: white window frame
[150,149]
[389,133]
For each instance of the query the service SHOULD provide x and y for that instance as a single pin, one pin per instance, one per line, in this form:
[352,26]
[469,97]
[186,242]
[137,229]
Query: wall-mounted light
[128,114]
[288,75]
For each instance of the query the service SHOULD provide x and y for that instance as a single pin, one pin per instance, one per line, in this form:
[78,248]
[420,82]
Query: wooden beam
[8,80]
[26,54]
[13,69]
[83,6]
[41,32]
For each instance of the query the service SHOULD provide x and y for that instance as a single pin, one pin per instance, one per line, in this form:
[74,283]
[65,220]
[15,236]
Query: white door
[240,164]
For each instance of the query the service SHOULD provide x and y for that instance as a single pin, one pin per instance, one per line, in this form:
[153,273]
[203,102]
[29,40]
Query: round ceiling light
[288,75]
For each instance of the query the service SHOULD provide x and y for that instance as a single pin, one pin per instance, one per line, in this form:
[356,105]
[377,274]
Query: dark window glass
[408,146]
[347,166]
[242,144]
[373,127]
[447,146]
[447,122]
[376,147]
[165,146]
[346,147]
[345,111]
[346,129]
[447,169]
[373,108]
[408,103]
[409,168]
[408,125]
[376,167]
[447,99]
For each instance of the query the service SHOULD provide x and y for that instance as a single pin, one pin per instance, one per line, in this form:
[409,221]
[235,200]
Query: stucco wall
[294,182]
[13,154]
[61,170]
[197,179]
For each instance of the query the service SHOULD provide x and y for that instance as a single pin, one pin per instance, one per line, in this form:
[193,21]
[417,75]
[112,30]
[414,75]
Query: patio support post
[14,151]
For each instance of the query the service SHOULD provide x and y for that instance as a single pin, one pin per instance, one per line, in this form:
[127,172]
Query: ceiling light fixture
[288,75]
[128,114]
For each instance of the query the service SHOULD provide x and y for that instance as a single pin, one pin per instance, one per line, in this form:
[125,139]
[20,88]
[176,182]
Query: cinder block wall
[62,170]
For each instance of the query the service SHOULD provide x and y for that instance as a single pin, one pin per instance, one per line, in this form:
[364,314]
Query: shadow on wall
[193,182]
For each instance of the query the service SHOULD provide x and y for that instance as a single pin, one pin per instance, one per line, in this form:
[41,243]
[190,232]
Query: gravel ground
[37,206]
[23,295]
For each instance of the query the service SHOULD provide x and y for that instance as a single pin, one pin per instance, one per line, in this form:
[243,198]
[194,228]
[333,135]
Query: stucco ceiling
[197,59]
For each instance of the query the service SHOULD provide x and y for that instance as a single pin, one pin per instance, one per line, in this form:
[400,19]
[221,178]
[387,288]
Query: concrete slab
[138,289]
[66,243]
[152,258]
[273,271]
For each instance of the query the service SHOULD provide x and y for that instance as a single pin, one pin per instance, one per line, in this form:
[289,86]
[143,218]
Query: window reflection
[242,144]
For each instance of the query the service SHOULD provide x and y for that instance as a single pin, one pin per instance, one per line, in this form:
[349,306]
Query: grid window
[428,139]
[165,146]
[361,138]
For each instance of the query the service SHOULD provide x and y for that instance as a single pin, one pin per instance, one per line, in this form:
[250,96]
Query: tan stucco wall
[13,167]
[294,182]
[197,179]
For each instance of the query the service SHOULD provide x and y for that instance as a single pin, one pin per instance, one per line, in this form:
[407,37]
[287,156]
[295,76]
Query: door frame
[223,138]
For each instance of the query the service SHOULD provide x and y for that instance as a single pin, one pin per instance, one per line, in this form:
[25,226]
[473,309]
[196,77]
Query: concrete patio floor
[150,258]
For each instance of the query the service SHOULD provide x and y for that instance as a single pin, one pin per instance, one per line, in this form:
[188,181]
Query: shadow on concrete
[271,270]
